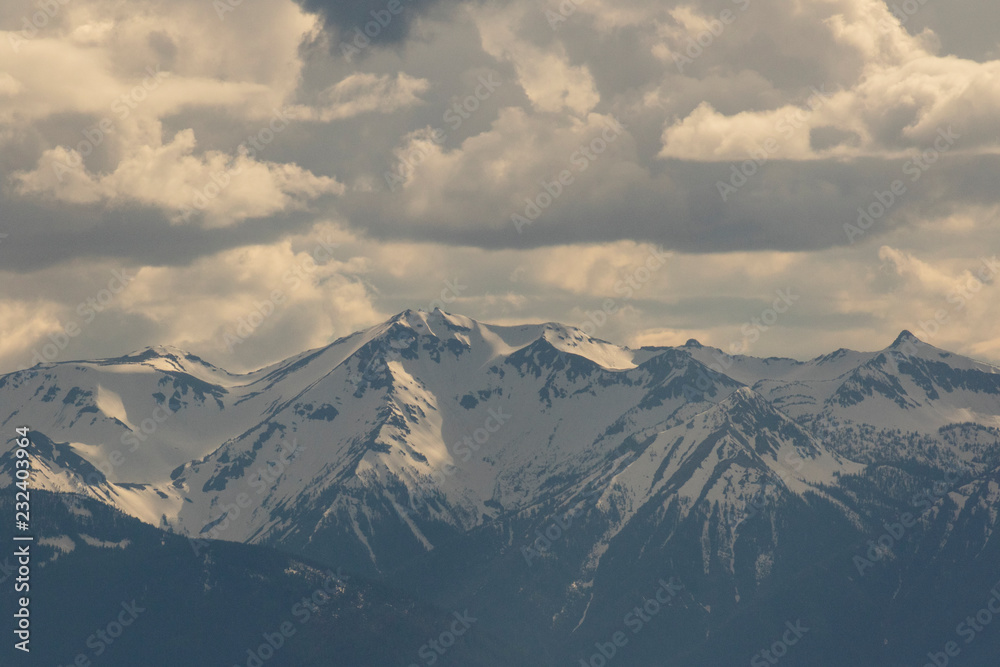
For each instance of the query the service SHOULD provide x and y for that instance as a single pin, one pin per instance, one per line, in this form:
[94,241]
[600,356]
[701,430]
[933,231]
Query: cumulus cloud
[889,111]
[213,187]
[759,141]
[549,80]
[290,296]
[956,299]
[240,308]
[363,93]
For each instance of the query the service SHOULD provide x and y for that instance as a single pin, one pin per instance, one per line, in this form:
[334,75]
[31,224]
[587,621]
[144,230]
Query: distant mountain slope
[219,603]
[909,385]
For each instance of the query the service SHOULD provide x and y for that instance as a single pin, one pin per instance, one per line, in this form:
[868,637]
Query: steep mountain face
[548,479]
[910,402]
[723,463]
[121,593]
[429,424]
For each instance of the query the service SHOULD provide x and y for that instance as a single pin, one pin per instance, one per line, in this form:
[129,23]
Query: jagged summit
[170,357]
[163,351]
[412,342]
[905,337]
[153,352]
[743,396]
[908,344]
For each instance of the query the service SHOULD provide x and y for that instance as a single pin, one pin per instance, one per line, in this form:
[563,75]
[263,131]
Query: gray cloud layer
[479,139]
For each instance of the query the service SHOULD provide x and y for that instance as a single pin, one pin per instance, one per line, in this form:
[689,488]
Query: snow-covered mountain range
[546,446]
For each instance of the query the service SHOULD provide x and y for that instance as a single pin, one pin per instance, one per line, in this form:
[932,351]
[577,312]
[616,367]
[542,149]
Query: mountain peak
[434,323]
[169,357]
[167,350]
[905,336]
[743,396]
[409,317]
[157,352]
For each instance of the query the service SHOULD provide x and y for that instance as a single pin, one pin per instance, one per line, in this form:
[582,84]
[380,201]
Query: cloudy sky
[248,179]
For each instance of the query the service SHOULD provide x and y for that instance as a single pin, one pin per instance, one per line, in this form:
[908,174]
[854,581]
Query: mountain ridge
[390,404]
[467,463]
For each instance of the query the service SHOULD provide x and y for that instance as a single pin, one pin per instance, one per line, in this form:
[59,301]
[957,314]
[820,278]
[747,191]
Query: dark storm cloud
[46,234]
[391,19]
[785,205]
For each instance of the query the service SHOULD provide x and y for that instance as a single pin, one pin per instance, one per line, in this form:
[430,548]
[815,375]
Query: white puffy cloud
[240,308]
[243,65]
[550,81]
[215,187]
